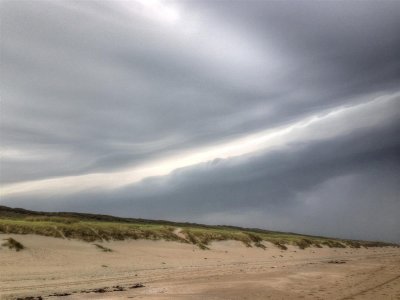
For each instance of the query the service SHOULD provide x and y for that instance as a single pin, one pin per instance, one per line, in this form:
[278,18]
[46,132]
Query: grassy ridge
[91,228]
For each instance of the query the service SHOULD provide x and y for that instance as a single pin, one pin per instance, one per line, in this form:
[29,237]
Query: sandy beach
[55,268]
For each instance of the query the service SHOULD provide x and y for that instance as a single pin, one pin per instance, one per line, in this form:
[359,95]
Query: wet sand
[171,270]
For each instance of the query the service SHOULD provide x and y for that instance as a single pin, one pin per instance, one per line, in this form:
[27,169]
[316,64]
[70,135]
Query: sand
[172,270]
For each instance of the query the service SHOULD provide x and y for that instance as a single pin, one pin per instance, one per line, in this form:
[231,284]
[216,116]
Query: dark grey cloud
[338,45]
[347,187]
[97,86]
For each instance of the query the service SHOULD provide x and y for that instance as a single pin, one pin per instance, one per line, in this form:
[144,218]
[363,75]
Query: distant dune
[83,256]
[94,227]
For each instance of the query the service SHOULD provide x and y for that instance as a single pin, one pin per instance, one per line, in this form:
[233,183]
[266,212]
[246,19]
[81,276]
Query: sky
[283,115]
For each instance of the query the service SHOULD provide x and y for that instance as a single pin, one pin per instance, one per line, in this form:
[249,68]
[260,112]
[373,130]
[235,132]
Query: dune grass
[92,228]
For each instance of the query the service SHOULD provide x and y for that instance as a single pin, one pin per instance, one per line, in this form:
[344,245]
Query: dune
[55,268]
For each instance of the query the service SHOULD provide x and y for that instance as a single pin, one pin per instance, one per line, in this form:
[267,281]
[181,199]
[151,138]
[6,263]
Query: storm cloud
[280,115]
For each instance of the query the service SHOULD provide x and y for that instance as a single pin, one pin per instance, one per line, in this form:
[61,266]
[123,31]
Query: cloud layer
[270,114]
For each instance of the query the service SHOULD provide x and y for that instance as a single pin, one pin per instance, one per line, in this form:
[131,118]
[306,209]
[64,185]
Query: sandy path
[172,270]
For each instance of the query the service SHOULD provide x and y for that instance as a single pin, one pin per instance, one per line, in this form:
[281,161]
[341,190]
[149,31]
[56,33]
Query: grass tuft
[203,247]
[13,244]
[304,243]
[280,245]
[259,245]
[102,248]
[333,244]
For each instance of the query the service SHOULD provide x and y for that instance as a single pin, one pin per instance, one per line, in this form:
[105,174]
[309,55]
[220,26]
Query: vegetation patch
[280,245]
[304,243]
[203,247]
[102,248]
[13,244]
[333,244]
